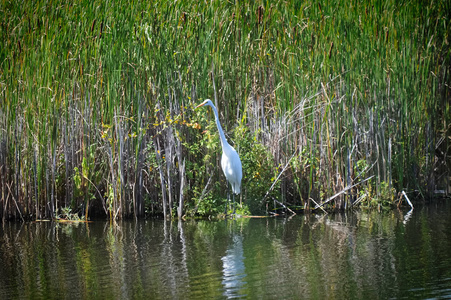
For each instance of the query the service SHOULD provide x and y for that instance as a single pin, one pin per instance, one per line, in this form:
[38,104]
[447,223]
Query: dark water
[352,256]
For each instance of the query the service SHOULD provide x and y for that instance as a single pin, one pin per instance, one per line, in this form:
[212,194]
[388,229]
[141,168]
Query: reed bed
[318,97]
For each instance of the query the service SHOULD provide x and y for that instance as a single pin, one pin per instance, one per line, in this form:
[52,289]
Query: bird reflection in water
[234,274]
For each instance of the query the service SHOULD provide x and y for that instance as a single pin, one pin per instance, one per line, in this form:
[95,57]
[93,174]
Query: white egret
[230,161]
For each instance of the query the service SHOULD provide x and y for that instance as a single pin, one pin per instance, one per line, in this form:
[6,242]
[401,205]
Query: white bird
[230,161]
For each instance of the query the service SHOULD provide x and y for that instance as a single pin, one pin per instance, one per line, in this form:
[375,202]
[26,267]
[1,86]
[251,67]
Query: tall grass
[97,101]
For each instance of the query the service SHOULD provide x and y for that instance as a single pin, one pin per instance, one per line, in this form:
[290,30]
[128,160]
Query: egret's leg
[234,205]
[228,199]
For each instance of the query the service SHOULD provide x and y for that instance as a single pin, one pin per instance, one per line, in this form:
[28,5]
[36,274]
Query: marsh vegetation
[96,105]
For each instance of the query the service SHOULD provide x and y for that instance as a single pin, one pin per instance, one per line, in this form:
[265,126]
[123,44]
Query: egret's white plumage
[230,161]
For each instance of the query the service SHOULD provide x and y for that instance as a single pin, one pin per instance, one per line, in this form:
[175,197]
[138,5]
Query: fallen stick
[408,201]
[15,202]
[204,191]
[283,205]
[360,199]
[343,191]
[311,199]
[277,179]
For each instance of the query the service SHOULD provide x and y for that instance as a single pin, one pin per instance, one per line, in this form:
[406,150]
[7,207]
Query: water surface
[353,256]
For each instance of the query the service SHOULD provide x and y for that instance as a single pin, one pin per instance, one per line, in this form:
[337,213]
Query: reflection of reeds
[355,90]
[322,256]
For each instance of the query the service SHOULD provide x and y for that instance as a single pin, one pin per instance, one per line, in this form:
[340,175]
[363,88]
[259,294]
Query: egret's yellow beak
[202,104]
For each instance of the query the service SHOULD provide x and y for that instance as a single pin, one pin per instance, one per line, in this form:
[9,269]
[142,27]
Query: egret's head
[206,102]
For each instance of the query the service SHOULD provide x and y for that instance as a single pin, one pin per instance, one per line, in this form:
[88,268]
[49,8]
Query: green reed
[97,103]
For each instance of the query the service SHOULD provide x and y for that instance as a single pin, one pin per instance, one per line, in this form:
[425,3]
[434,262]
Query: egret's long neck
[221,133]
